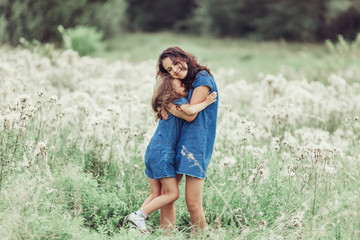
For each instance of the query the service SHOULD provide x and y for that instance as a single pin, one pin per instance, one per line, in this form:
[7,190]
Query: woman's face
[179,88]
[177,70]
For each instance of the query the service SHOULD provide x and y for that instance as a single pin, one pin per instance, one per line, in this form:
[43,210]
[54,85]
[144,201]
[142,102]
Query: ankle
[141,213]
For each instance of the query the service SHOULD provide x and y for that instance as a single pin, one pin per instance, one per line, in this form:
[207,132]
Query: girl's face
[177,70]
[179,88]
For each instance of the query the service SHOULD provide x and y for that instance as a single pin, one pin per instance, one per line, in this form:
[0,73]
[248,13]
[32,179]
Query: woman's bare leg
[168,213]
[193,197]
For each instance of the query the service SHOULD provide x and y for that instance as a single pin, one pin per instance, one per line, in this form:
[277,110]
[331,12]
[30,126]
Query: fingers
[211,98]
[164,114]
[213,95]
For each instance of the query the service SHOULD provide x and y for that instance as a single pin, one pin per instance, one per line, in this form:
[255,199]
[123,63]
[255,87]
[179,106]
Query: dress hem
[191,175]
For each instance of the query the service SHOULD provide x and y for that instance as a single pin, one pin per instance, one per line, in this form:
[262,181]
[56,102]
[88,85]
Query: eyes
[174,65]
[176,68]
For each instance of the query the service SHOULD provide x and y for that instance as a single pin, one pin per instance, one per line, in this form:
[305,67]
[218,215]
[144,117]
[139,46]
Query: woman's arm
[199,95]
[196,108]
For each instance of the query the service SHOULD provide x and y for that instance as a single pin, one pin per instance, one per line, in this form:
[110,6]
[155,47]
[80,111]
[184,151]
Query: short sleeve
[181,101]
[203,78]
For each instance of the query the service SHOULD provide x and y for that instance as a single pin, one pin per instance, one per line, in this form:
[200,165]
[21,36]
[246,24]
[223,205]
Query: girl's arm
[199,95]
[173,109]
[196,108]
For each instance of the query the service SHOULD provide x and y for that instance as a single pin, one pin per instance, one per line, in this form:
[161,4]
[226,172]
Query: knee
[154,194]
[173,194]
[176,195]
[193,205]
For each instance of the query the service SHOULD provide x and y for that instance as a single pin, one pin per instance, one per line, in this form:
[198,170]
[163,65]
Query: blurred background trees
[39,19]
[307,20]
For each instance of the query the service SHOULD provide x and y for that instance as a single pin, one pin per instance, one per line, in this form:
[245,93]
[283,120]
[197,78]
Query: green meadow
[73,133]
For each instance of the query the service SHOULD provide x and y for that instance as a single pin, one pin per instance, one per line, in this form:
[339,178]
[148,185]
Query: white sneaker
[133,227]
[138,221]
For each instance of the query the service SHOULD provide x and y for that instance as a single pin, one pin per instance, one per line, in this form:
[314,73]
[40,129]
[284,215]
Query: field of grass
[73,132]
[248,58]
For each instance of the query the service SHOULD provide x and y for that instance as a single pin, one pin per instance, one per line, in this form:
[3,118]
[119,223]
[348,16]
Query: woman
[197,136]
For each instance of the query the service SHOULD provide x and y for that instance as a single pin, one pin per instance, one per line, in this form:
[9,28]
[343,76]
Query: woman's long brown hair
[163,95]
[177,55]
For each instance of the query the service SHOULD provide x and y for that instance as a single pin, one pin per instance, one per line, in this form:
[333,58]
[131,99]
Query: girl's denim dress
[160,153]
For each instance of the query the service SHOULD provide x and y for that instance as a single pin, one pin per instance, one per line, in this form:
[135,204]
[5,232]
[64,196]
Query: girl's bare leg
[168,216]
[168,213]
[169,193]
[155,191]
[138,217]
[193,197]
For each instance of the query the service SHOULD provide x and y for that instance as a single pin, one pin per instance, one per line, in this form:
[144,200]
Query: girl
[197,137]
[160,153]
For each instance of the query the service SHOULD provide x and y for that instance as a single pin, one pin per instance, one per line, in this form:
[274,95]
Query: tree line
[292,20]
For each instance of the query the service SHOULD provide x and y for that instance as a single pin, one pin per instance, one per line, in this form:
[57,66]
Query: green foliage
[38,19]
[309,20]
[341,18]
[263,19]
[156,15]
[34,19]
[85,40]
[106,15]
[343,47]
[100,205]
[231,18]
[198,22]
[291,20]
[21,222]
[276,19]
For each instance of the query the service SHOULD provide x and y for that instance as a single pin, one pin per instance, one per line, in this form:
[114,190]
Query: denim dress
[197,138]
[160,153]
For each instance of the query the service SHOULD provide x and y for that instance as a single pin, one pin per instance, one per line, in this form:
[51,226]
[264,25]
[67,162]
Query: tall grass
[73,132]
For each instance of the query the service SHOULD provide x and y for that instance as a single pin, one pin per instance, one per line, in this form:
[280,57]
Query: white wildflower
[297,220]
[229,161]
[252,179]
[23,100]
[53,99]
[305,177]
[40,149]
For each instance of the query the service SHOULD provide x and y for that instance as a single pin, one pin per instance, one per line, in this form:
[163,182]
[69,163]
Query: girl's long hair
[177,55]
[163,95]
